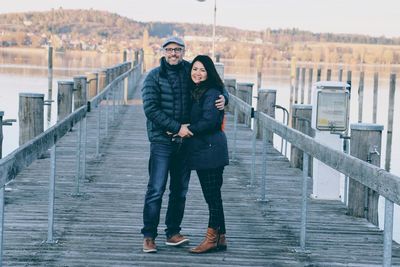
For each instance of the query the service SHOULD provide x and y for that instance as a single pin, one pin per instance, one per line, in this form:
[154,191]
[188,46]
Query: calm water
[26,71]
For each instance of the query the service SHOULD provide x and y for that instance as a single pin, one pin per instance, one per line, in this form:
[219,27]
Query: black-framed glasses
[177,50]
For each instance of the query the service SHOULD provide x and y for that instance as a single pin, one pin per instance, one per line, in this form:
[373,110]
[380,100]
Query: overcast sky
[373,17]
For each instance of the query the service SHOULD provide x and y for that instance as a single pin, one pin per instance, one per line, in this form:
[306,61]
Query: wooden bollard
[64,99]
[31,116]
[220,69]
[266,103]
[136,61]
[125,56]
[92,80]
[301,121]
[230,86]
[102,78]
[245,92]
[80,92]
[366,145]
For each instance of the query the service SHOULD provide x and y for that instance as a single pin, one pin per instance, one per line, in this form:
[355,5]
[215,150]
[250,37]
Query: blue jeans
[165,158]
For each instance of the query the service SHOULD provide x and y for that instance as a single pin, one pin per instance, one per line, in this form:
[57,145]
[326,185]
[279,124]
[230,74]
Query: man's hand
[220,102]
[184,131]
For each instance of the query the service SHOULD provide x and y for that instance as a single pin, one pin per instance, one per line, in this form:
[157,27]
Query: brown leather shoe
[177,240]
[221,243]
[149,246]
[209,243]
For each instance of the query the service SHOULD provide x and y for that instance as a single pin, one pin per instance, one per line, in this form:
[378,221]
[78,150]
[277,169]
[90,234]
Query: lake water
[24,70]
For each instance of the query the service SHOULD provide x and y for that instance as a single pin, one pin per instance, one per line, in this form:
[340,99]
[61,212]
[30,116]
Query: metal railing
[384,183]
[120,77]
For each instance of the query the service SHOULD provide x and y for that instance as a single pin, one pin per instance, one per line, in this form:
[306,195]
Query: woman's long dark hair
[213,79]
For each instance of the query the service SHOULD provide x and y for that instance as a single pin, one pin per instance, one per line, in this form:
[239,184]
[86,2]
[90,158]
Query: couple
[184,104]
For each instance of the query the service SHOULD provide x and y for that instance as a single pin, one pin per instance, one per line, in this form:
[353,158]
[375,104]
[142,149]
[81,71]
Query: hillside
[108,32]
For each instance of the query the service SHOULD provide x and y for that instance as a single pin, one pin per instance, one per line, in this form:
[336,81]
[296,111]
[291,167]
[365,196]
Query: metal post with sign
[330,119]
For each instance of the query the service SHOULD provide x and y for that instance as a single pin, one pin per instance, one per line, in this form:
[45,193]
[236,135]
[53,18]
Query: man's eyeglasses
[177,50]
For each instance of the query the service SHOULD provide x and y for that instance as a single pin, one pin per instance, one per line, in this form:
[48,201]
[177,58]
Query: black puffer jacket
[166,100]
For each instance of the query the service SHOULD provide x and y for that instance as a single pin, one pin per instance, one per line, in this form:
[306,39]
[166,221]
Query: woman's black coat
[208,148]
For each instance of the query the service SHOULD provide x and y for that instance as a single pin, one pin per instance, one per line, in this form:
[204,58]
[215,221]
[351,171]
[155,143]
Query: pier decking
[101,227]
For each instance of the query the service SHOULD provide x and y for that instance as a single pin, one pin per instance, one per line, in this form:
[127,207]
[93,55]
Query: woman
[208,147]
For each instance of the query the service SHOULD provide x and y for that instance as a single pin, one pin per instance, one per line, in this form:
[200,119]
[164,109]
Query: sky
[371,17]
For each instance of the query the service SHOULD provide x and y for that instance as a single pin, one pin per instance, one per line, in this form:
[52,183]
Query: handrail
[24,155]
[384,183]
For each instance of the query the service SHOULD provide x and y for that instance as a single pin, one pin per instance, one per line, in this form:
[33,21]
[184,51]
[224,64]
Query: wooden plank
[102,227]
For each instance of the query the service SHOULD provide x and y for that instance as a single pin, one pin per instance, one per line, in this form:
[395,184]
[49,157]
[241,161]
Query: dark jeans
[165,158]
[211,183]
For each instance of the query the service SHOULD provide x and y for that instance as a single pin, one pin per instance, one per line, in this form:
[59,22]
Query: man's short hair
[173,39]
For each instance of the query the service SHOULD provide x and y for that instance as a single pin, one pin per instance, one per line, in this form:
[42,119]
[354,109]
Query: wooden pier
[101,227]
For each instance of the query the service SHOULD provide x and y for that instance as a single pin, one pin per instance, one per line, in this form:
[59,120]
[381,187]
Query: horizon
[339,17]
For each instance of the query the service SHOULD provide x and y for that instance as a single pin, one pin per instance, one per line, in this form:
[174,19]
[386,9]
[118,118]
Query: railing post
[392,91]
[78,158]
[98,130]
[360,96]
[304,195]
[31,116]
[1,224]
[301,121]
[388,234]
[102,78]
[84,147]
[310,78]
[230,85]
[107,111]
[52,186]
[253,149]
[264,167]
[303,84]
[235,122]
[64,99]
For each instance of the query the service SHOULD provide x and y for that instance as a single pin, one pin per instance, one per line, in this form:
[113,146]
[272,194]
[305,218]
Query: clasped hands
[184,132]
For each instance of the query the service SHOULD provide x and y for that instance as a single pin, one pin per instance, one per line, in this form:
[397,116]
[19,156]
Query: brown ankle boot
[221,244]
[209,243]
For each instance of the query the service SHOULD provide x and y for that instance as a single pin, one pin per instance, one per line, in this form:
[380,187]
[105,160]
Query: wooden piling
[259,65]
[292,75]
[245,92]
[266,103]
[1,133]
[310,78]
[348,79]
[64,99]
[80,92]
[366,145]
[301,121]
[375,97]
[30,116]
[319,74]
[392,91]
[340,75]
[220,69]
[360,96]
[49,81]
[303,84]
[328,74]
[296,86]
[125,56]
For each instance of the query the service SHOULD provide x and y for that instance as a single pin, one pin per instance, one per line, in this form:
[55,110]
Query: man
[167,103]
